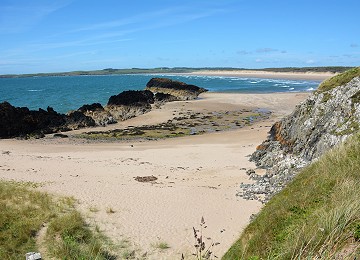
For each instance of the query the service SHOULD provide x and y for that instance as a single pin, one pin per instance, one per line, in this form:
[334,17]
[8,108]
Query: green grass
[339,80]
[315,216]
[24,211]
[161,245]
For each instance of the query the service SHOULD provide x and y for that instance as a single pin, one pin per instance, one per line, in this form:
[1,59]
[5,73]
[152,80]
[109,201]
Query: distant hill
[112,71]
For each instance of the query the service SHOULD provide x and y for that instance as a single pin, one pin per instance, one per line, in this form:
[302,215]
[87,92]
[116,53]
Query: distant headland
[184,70]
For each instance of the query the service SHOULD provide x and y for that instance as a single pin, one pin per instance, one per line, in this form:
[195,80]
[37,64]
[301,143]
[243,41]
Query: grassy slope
[318,214]
[23,213]
[339,80]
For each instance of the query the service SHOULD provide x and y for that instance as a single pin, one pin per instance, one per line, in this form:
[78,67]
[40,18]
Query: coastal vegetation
[315,216]
[33,221]
[339,80]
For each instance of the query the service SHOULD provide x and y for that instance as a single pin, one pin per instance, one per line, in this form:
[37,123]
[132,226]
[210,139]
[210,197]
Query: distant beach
[266,74]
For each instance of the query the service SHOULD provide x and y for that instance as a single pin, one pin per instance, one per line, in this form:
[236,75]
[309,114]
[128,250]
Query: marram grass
[25,211]
[317,216]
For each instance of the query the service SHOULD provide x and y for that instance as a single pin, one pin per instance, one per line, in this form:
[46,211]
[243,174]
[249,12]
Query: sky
[67,35]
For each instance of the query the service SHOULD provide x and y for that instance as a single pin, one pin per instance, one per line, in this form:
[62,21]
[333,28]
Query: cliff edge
[326,118]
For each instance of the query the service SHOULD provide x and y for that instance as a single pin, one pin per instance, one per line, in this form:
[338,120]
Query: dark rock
[92,107]
[59,135]
[77,119]
[162,97]
[20,121]
[180,90]
[132,98]
[129,104]
[250,171]
[98,114]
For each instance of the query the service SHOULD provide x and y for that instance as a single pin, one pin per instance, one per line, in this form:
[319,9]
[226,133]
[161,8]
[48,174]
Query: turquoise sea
[70,92]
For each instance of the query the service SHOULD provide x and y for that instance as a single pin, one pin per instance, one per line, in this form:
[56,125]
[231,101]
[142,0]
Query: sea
[65,93]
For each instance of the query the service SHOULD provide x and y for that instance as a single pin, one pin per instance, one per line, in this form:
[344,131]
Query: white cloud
[266,50]
[22,15]
[310,61]
[243,52]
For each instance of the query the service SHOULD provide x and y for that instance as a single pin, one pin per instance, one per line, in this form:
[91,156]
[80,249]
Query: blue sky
[67,35]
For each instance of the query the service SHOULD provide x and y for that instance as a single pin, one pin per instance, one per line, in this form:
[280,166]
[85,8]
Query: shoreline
[317,76]
[198,176]
[300,74]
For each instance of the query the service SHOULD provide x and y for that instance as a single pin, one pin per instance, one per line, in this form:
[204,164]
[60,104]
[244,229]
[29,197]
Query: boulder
[180,90]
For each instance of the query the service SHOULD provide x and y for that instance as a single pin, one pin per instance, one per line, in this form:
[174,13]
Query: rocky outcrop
[163,98]
[98,113]
[139,98]
[20,121]
[130,104]
[323,120]
[76,120]
[180,90]
[92,107]
[15,121]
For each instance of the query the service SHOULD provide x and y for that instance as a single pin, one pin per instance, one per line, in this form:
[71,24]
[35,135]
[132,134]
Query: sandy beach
[197,176]
[265,74]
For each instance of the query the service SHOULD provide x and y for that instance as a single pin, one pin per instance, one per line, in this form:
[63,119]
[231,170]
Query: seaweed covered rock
[180,90]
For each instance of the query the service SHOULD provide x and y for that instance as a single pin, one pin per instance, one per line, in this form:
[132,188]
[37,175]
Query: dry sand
[266,74]
[198,176]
